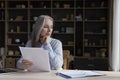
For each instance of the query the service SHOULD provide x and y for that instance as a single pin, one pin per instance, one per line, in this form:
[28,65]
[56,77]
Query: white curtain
[116,36]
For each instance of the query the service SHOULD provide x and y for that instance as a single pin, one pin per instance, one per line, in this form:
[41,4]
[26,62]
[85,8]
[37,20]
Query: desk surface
[52,76]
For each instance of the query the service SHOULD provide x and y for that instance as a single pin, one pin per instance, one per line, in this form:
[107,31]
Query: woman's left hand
[45,39]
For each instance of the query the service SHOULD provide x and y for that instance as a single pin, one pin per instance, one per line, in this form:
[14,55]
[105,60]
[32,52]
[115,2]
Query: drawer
[90,64]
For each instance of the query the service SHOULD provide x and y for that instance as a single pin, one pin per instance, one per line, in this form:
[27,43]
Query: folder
[79,73]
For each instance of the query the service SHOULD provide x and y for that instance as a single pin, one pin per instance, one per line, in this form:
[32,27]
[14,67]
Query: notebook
[78,73]
[38,56]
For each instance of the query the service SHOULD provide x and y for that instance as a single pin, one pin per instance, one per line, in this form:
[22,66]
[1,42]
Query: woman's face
[48,28]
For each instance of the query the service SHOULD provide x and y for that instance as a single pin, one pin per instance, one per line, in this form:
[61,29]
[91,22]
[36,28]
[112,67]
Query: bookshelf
[81,25]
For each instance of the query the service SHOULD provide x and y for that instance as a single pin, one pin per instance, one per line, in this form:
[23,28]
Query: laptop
[38,56]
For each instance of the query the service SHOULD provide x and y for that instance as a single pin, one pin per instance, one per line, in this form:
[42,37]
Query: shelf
[97,8]
[17,8]
[14,44]
[92,33]
[69,45]
[18,33]
[97,46]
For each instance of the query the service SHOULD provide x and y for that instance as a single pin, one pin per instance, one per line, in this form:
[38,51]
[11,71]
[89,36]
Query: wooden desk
[52,76]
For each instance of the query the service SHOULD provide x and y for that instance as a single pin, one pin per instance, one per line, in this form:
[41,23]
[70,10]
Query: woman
[41,37]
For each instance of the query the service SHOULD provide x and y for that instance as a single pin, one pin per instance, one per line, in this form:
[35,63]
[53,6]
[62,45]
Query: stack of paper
[38,56]
[78,73]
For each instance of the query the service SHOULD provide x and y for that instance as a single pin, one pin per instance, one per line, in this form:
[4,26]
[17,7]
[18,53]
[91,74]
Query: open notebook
[38,56]
[78,73]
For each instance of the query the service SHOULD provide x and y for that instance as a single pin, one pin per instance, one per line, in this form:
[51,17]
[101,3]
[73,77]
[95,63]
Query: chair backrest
[66,55]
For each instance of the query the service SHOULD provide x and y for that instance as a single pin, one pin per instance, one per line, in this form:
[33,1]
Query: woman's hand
[44,39]
[26,64]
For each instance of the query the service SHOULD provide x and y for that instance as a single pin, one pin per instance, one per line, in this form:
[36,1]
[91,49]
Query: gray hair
[37,28]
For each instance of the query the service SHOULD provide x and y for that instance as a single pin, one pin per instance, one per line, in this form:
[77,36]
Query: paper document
[78,73]
[38,56]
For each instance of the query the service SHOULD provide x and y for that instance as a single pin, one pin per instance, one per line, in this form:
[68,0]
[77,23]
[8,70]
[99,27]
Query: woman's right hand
[26,64]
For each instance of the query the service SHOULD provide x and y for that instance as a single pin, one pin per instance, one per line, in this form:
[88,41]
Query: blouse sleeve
[55,54]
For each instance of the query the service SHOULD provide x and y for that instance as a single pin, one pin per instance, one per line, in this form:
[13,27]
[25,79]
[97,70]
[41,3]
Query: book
[78,73]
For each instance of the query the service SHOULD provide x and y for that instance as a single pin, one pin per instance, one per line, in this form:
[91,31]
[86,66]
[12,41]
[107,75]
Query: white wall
[116,36]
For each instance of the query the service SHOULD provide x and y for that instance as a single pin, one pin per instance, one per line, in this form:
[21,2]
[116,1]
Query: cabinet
[91,63]
[81,25]
[92,48]
[64,14]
